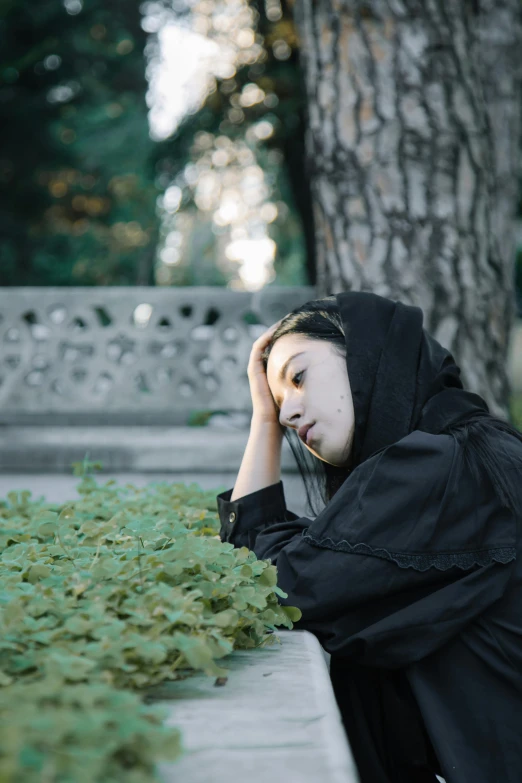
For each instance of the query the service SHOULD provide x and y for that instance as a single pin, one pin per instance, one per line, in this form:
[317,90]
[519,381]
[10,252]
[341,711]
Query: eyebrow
[284,368]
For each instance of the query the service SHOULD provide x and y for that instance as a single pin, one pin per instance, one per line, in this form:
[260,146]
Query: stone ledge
[141,449]
[276,719]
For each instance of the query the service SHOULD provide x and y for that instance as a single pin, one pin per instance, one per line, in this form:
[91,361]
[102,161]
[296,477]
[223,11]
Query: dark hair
[320,319]
[317,320]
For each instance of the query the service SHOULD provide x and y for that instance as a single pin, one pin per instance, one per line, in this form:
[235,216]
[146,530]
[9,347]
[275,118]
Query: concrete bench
[274,721]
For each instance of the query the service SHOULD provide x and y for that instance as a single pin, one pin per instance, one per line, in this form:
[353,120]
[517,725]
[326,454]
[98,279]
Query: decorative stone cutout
[137,355]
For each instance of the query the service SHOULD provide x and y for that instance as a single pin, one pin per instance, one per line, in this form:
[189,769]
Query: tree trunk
[146,264]
[413,176]
[498,42]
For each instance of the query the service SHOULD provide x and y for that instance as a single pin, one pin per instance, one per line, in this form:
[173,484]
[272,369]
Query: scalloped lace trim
[442,561]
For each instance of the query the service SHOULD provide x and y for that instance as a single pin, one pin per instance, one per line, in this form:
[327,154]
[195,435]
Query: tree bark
[498,42]
[413,172]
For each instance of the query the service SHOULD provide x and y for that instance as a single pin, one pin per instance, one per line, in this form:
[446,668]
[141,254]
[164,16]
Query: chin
[336,459]
[330,459]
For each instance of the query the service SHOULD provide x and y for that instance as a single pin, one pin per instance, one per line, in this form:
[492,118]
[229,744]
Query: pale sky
[179,82]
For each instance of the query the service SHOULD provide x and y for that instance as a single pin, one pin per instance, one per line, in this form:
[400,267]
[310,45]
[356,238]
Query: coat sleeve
[409,550]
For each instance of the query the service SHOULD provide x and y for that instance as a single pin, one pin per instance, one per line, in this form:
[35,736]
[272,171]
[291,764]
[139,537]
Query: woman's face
[314,389]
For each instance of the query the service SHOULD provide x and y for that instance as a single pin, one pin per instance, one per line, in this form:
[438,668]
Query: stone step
[49,449]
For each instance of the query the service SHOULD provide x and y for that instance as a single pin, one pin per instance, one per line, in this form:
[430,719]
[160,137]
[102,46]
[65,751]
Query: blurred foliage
[55,730]
[201,418]
[516,411]
[106,596]
[281,156]
[77,199]
[79,173]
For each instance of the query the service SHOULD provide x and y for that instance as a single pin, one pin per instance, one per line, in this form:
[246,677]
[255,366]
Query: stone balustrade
[117,374]
[130,355]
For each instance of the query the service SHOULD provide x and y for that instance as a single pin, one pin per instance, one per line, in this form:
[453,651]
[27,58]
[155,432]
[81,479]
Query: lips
[303,431]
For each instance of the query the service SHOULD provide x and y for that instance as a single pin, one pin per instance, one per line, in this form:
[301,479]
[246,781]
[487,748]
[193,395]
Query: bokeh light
[223,179]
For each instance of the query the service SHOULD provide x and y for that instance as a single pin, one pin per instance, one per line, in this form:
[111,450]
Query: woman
[409,575]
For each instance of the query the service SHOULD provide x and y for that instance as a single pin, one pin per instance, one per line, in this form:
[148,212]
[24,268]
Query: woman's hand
[264,408]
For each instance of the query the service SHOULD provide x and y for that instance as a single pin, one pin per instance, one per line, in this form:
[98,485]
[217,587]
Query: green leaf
[37,572]
[195,650]
[226,618]
[269,576]
[5,679]
[70,667]
[292,612]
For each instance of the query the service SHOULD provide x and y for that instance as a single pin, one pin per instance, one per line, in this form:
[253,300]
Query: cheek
[329,399]
[340,410]
[338,395]
[335,416]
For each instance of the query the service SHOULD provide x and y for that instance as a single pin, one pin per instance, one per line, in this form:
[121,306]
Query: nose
[291,414]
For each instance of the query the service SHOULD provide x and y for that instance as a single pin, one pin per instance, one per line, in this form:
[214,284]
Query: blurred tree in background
[234,169]
[77,198]
[80,175]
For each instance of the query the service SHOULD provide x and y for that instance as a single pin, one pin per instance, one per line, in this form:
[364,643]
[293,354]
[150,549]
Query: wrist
[266,425]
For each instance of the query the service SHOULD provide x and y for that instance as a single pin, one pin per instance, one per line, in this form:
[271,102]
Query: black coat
[409,577]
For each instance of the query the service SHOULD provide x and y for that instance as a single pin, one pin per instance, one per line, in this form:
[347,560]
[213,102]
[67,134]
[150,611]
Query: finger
[269,332]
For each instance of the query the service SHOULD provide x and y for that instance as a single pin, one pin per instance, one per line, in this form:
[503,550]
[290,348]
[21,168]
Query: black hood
[401,378]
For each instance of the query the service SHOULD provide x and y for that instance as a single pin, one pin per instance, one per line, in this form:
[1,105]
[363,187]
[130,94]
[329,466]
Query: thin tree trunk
[145,267]
[404,169]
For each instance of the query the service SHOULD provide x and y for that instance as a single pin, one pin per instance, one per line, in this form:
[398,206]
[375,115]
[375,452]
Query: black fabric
[409,550]
[379,711]
[409,577]
[401,378]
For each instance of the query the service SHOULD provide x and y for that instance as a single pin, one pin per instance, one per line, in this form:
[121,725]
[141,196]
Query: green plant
[102,598]
[516,411]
